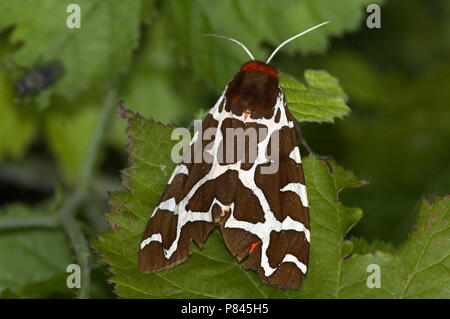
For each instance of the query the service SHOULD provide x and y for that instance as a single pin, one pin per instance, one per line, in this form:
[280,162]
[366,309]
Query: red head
[254,89]
[259,66]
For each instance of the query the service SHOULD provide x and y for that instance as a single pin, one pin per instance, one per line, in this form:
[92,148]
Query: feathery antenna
[294,37]
[232,40]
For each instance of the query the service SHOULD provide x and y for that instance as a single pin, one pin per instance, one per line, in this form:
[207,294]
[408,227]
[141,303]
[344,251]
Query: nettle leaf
[320,100]
[93,55]
[54,287]
[217,60]
[213,271]
[33,261]
[425,271]
[419,268]
[361,246]
[330,222]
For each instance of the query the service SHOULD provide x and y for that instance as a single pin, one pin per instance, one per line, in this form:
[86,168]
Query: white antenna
[231,39]
[294,37]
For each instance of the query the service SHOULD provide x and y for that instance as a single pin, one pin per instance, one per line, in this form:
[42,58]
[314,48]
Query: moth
[39,78]
[263,217]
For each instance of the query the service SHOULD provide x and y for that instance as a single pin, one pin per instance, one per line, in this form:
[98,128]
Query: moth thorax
[253,89]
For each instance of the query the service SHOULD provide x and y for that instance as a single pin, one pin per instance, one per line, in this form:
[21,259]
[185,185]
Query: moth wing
[183,213]
[269,220]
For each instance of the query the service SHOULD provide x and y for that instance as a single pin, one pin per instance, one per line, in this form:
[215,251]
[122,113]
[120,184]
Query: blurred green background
[151,54]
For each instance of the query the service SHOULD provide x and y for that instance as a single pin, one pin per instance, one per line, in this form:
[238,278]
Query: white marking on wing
[293,259]
[295,155]
[194,138]
[155,237]
[299,189]
[247,177]
[180,169]
[290,224]
[169,205]
[263,230]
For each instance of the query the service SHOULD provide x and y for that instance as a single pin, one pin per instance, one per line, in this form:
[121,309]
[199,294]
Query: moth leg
[303,140]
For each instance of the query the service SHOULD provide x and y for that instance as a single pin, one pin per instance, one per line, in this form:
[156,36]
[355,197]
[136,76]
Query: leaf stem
[68,210]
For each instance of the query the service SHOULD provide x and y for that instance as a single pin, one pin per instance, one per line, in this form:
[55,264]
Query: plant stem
[78,241]
[81,248]
[65,216]
[87,167]
[33,173]
[29,222]
[69,209]
[71,203]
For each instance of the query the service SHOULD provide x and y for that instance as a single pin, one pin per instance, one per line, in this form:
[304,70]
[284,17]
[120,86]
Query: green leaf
[33,261]
[321,100]
[361,246]
[54,287]
[217,60]
[93,55]
[425,257]
[330,222]
[68,132]
[213,271]
[419,268]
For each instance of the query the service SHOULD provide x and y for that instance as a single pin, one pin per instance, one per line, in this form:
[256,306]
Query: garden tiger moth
[263,217]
